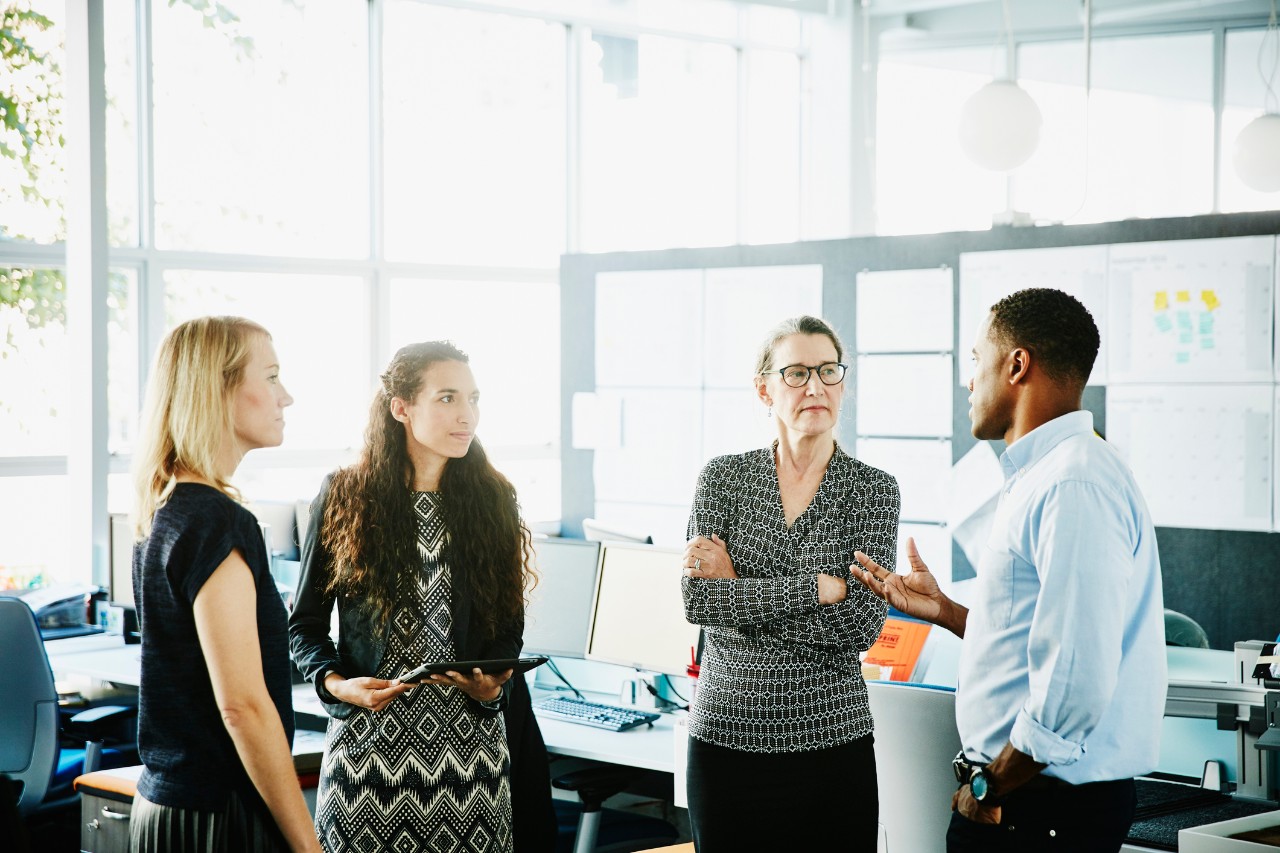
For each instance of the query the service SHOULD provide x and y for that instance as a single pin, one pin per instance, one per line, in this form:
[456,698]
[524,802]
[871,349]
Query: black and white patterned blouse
[779,672]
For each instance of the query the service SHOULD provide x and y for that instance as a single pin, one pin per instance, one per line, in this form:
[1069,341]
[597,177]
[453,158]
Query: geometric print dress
[426,773]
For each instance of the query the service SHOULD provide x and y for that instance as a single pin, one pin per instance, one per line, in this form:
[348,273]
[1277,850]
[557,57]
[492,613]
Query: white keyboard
[594,714]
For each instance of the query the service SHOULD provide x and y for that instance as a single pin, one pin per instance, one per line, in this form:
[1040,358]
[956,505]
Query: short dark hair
[1054,326]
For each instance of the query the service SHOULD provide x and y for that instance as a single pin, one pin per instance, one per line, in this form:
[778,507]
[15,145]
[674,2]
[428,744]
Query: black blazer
[361,639]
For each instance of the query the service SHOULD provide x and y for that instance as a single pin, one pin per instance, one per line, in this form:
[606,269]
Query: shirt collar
[1028,450]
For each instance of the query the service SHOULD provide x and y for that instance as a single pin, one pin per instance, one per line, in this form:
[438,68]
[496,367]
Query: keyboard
[609,717]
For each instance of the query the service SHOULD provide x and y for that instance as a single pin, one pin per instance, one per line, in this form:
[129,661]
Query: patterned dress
[426,772]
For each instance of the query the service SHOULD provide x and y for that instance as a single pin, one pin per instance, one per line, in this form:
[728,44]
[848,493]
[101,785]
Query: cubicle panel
[916,739]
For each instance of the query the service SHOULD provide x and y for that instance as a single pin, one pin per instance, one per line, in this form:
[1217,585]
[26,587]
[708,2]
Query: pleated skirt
[155,828]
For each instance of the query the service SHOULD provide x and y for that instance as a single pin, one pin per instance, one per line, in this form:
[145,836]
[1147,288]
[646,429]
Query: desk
[106,796]
[647,747]
[104,657]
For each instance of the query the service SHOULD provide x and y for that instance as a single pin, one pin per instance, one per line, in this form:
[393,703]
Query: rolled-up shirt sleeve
[1083,539]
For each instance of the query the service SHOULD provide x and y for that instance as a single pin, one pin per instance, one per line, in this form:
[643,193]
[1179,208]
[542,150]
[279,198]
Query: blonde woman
[215,718]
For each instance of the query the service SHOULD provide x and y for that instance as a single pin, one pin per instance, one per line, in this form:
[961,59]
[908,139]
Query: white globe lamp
[1257,153]
[1000,126]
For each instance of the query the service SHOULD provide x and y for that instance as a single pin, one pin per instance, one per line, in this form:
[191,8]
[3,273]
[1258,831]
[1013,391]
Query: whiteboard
[988,277]
[1202,454]
[906,311]
[735,422]
[656,462]
[922,468]
[1192,310]
[648,329]
[742,305]
[904,395]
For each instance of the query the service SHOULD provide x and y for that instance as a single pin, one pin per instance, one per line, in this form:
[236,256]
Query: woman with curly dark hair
[421,547]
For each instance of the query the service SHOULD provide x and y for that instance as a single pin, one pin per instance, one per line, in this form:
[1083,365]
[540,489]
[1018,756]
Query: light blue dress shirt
[1063,653]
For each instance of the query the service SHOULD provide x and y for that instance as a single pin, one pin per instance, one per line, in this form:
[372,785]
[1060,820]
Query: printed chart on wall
[1192,310]
[1202,454]
[905,311]
[988,277]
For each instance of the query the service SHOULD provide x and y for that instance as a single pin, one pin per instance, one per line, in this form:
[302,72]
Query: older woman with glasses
[780,746]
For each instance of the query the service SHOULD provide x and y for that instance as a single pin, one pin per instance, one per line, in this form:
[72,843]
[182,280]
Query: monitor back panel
[558,618]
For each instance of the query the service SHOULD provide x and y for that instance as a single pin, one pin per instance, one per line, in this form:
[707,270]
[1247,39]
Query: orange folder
[899,647]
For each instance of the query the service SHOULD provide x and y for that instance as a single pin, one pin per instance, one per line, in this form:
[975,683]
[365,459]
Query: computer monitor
[638,617]
[597,532]
[557,621]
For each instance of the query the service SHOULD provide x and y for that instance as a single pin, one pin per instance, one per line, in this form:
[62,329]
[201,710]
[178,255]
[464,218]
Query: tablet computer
[466,666]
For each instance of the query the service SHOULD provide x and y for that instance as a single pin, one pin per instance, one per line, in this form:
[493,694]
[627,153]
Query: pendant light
[1000,123]
[1257,149]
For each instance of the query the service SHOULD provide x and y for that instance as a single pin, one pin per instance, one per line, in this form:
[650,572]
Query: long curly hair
[369,525]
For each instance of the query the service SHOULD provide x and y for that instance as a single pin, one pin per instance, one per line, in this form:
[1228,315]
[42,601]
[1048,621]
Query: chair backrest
[916,738]
[28,705]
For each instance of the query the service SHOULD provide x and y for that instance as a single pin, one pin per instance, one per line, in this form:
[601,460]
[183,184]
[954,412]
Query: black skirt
[824,799]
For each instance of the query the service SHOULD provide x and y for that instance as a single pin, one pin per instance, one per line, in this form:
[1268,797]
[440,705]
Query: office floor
[58,833]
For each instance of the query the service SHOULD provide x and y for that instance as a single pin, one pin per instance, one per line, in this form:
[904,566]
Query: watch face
[978,785]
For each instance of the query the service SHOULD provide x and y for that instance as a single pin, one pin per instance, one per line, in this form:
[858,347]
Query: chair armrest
[101,722]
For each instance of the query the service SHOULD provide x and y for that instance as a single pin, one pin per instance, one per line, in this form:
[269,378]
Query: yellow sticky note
[1210,298]
[1184,296]
[1162,300]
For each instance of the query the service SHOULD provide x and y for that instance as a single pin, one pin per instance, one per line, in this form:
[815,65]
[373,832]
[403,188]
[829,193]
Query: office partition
[1185,386]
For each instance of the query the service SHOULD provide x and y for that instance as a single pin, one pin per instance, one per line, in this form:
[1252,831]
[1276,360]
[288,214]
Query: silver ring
[697,564]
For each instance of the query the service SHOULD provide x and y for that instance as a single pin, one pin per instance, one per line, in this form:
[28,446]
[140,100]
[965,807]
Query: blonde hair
[188,413]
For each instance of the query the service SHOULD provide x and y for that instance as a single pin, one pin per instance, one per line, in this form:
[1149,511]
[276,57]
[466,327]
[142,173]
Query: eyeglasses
[797,375]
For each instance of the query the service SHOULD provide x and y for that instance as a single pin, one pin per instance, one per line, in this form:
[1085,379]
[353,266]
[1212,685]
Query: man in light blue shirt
[1062,673]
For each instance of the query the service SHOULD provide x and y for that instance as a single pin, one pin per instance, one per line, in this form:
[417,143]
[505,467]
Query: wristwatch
[980,786]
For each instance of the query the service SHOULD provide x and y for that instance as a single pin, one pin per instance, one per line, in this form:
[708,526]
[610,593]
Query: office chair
[30,731]
[614,830]
[1182,630]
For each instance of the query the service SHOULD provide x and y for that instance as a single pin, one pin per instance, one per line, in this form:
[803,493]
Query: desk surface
[105,657]
[648,747]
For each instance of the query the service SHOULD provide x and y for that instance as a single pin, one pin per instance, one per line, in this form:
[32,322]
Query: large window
[1149,118]
[475,137]
[659,143]
[1140,145]
[924,183]
[261,129]
[1251,63]
[358,175]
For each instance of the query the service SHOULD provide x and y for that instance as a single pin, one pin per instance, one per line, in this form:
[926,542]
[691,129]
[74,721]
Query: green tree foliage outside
[31,142]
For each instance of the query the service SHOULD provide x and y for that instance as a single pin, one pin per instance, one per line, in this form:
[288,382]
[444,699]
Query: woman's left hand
[477,685]
[708,558]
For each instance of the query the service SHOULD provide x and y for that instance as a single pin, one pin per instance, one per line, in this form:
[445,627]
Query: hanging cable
[551,665]
[1270,37]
